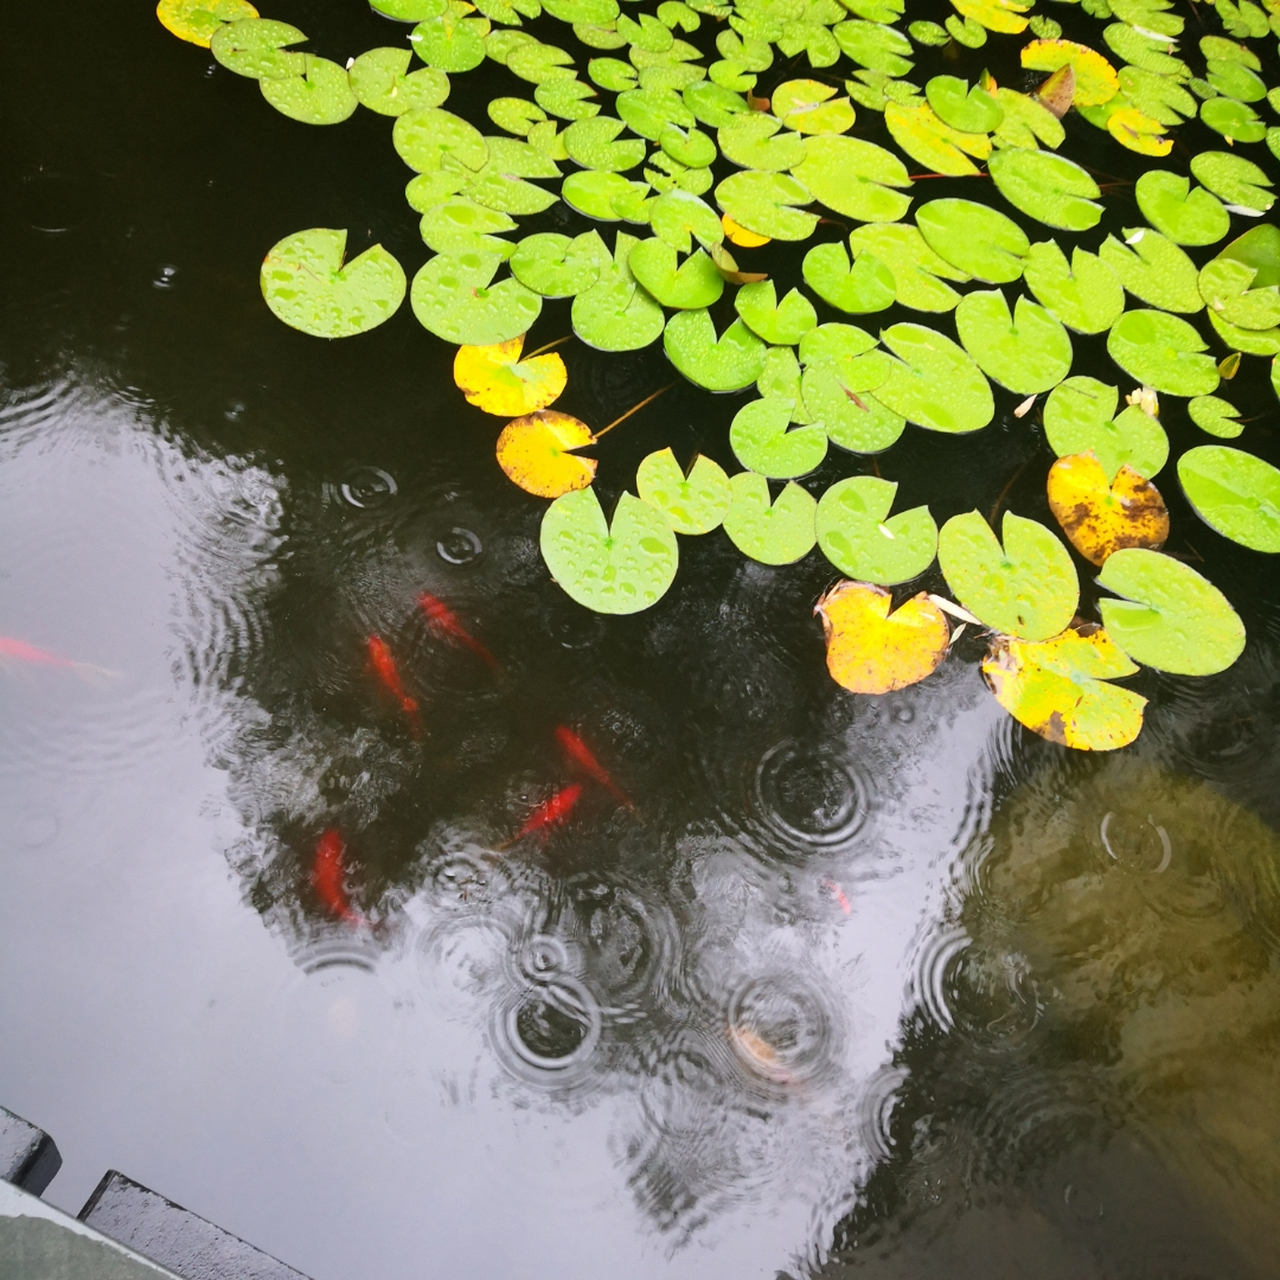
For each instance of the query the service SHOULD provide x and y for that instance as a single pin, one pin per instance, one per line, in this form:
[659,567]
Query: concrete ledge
[39,1242]
[28,1156]
[193,1247]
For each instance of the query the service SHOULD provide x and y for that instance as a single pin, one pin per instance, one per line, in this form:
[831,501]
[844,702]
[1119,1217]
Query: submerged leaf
[616,568]
[1058,688]
[533,451]
[1169,617]
[869,649]
[495,379]
[1027,588]
[1099,515]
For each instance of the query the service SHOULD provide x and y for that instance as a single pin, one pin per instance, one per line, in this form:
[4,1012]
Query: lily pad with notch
[1026,588]
[919,273]
[1080,417]
[557,266]
[866,286]
[1100,515]
[1027,352]
[258,48]
[616,313]
[779,323]
[1047,187]
[857,534]
[776,533]
[381,80]
[534,453]
[1185,214]
[1168,616]
[617,567]
[855,178]
[1235,493]
[1163,352]
[320,95]
[978,240]
[1216,416]
[1154,270]
[695,283]
[691,504]
[730,362]
[934,382]
[1086,296]
[453,296]
[761,440]
[766,203]
[1233,179]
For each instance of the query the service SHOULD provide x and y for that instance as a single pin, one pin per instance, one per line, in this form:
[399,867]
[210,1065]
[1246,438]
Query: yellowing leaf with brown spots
[1097,81]
[1058,688]
[533,451]
[1099,518]
[1058,91]
[1130,128]
[870,650]
[739,235]
[495,379]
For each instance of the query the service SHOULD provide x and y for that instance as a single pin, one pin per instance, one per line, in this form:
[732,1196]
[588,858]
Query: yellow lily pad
[1058,688]
[869,649]
[533,450]
[495,379]
[1100,517]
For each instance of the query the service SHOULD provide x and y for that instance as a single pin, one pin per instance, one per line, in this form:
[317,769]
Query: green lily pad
[1027,352]
[515,115]
[1047,187]
[780,323]
[930,142]
[597,194]
[918,271]
[1169,618]
[807,107]
[1153,269]
[679,217]
[754,142]
[1027,588]
[980,241]
[570,99]
[382,81]
[613,74]
[596,12]
[618,568]
[1235,80]
[320,95]
[691,504]
[969,110]
[761,440]
[258,48]
[875,46]
[1216,416]
[857,534]
[538,63]
[1233,179]
[695,283]
[648,112]
[559,267]
[616,314]
[765,203]
[689,147]
[780,380]
[500,184]
[423,139]
[450,42]
[781,532]
[853,420]
[865,287]
[461,225]
[729,363]
[592,144]
[712,104]
[453,296]
[307,285]
[837,346]
[1235,493]
[855,178]
[1079,417]
[500,43]
[1224,283]
[1236,121]
[1254,342]
[408,10]
[1086,296]
[934,382]
[1163,352]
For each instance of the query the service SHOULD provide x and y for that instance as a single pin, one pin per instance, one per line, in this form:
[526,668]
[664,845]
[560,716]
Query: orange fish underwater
[442,620]
[328,877]
[384,666]
[580,754]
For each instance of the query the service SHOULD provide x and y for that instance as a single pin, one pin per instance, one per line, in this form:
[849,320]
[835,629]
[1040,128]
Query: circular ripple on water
[630,947]
[546,1032]
[809,797]
[784,1028]
[367,487]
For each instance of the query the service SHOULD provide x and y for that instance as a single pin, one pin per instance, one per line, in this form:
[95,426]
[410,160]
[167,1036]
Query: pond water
[881,986]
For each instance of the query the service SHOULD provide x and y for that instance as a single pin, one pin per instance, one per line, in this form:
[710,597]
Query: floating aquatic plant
[671,149]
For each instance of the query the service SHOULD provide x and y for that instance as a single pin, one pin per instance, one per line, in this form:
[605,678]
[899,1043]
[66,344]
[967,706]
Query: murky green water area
[877,986]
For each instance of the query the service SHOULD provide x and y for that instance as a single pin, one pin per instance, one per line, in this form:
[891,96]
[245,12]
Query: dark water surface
[1042,1040]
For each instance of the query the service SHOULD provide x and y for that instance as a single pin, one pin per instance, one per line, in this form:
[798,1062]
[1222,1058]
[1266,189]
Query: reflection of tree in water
[1094,1061]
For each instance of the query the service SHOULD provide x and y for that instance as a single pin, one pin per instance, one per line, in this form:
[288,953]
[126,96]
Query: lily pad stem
[635,409]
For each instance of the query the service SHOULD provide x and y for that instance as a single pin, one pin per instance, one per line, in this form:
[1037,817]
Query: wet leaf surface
[1099,515]
[1235,493]
[533,452]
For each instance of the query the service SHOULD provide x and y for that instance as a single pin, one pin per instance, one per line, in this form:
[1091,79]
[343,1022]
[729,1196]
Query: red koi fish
[838,894]
[21,651]
[551,812]
[443,621]
[384,666]
[328,876]
[577,752]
